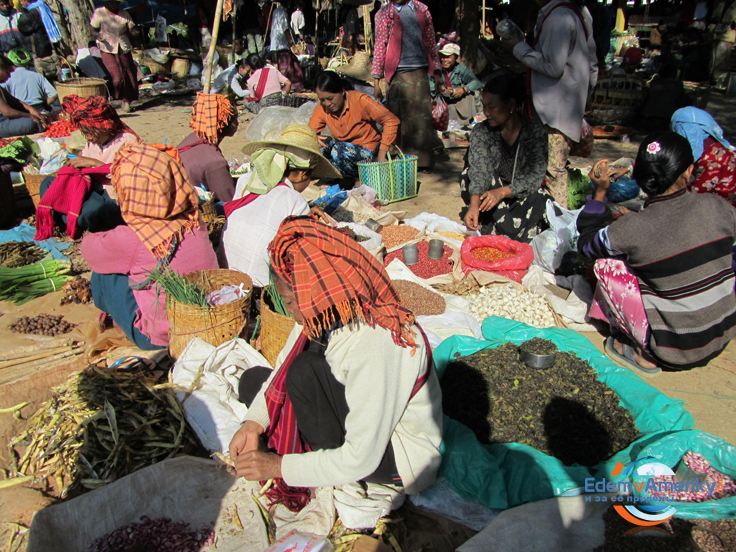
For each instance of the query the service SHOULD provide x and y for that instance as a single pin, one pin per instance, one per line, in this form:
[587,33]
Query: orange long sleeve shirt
[357,122]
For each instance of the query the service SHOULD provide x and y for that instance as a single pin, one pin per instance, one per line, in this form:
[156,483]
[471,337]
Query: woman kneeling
[325,427]
[159,206]
[666,286]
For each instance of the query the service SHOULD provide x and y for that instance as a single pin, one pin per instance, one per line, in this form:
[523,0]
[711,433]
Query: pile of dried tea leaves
[564,411]
[16,254]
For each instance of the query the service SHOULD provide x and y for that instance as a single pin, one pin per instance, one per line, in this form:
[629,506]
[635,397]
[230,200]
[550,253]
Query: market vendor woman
[353,119]
[159,206]
[665,275]
[505,167]
[355,404]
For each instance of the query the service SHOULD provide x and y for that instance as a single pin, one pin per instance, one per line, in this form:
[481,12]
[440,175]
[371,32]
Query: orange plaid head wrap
[335,279]
[94,112]
[210,114]
[155,196]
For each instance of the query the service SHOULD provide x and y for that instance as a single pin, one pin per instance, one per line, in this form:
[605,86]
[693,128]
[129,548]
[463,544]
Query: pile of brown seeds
[418,299]
[397,234]
[43,324]
[154,535]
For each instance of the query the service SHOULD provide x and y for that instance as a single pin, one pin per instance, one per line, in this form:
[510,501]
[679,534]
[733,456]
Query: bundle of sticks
[46,354]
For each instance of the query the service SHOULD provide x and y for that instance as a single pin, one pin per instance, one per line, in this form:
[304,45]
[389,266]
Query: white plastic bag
[213,409]
[433,223]
[300,542]
[374,240]
[441,499]
[551,245]
[272,121]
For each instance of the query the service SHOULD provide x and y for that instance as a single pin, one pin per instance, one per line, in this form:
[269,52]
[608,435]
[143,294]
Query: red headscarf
[94,112]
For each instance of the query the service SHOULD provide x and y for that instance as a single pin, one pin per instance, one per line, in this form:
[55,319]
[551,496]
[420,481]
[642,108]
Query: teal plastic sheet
[510,474]
[25,232]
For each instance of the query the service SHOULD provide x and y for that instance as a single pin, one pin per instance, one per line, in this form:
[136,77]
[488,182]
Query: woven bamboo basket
[7,200]
[209,212]
[155,67]
[181,67]
[699,92]
[215,324]
[84,88]
[33,185]
[616,101]
[275,330]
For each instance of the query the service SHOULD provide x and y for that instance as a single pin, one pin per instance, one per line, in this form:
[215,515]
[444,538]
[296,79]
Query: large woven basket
[33,185]
[616,101]
[84,88]
[699,92]
[209,212]
[393,180]
[214,324]
[7,200]
[181,67]
[275,330]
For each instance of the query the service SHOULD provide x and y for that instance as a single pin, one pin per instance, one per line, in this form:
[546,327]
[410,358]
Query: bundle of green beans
[276,299]
[178,288]
[24,283]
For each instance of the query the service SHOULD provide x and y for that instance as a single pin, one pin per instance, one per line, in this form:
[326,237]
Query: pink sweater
[120,251]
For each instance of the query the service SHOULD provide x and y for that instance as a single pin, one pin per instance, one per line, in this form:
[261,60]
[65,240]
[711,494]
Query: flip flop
[627,359]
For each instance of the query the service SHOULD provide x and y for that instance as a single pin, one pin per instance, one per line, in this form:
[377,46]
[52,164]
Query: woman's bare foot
[642,359]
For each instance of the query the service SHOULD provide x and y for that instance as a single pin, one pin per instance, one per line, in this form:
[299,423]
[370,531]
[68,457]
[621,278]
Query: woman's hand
[322,141]
[457,93]
[377,93]
[618,172]
[258,466]
[381,157]
[247,439]
[471,218]
[490,199]
[320,213]
[600,178]
[38,117]
[85,163]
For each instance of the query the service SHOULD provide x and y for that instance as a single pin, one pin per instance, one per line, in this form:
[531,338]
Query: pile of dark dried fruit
[43,324]
[15,254]
[154,535]
[78,290]
[687,535]
[564,411]
[351,234]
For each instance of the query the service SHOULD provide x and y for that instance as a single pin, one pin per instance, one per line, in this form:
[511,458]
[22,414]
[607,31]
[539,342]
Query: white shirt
[379,377]
[564,68]
[297,22]
[250,229]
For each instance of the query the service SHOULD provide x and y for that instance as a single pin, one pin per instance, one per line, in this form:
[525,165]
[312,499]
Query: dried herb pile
[15,254]
[564,411]
[74,254]
[99,426]
[687,535]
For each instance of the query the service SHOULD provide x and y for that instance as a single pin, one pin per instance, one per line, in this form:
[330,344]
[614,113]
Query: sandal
[627,359]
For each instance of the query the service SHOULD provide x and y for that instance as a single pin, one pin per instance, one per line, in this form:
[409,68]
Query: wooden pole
[483,22]
[367,29]
[234,19]
[213,46]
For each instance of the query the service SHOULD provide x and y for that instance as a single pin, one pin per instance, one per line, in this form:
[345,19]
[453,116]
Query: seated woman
[322,426]
[106,133]
[461,86]
[665,279]
[159,206]
[265,83]
[715,160]
[213,119]
[505,167]
[283,169]
[353,119]
[16,118]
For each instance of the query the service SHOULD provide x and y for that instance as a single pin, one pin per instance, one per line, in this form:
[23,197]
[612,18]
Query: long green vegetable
[178,288]
[276,299]
[32,273]
[20,294]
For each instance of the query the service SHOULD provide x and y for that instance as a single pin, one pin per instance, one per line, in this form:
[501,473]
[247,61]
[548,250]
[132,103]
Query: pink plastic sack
[584,148]
[514,268]
[440,114]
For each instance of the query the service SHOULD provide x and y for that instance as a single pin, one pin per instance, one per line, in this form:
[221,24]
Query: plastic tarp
[510,474]
[25,232]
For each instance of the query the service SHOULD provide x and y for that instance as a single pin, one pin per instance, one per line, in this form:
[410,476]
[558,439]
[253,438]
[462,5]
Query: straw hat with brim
[358,68]
[303,137]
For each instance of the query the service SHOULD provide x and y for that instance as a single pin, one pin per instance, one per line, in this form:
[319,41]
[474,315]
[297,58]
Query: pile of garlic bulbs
[509,302]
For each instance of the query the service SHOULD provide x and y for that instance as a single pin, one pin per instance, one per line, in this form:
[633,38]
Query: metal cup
[411,254]
[436,249]
[373,225]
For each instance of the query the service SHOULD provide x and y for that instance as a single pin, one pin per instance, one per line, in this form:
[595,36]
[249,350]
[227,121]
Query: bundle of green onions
[276,299]
[176,287]
[24,283]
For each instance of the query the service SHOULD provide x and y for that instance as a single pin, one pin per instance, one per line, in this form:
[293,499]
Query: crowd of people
[665,275]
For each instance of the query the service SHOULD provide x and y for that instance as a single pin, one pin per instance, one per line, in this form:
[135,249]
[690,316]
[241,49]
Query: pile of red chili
[60,129]
[425,267]
[490,254]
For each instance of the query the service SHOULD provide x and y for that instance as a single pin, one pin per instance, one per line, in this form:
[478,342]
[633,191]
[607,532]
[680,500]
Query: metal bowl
[538,362]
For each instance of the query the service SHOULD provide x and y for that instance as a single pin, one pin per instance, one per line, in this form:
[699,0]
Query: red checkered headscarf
[210,114]
[335,279]
[94,112]
[156,198]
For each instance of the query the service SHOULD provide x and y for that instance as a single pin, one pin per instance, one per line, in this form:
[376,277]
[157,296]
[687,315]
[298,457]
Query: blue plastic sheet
[333,198]
[510,474]
[24,232]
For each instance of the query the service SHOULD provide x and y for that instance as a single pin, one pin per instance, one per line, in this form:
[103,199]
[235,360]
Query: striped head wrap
[94,113]
[210,114]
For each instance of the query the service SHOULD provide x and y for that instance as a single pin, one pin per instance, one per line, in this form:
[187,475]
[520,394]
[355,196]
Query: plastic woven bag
[514,268]
[440,114]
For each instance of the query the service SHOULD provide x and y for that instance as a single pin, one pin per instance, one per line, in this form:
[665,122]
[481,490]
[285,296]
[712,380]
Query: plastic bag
[584,148]
[441,499]
[272,121]
[622,189]
[433,223]
[440,114]
[226,295]
[54,163]
[551,245]
[297,542]
[374,240]
[333,198]
[513,268]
